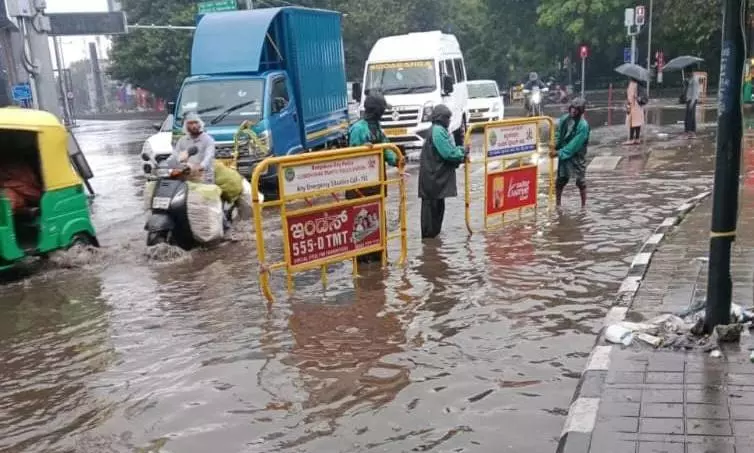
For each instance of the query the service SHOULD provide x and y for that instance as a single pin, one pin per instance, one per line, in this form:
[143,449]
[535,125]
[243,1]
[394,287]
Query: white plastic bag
[619,335]
[205,212]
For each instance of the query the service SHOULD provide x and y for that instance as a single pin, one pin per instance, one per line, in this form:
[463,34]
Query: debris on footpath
[675,332]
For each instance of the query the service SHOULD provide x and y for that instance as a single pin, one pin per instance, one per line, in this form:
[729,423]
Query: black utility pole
[727,164]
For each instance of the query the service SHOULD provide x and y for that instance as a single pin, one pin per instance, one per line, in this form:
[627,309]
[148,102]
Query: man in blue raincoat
[570,149]
[440,158]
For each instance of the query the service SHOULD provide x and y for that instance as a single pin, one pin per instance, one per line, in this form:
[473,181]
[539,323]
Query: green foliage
[501,39]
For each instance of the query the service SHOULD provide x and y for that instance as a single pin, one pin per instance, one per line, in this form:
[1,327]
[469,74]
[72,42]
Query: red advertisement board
[335,232]
[511,189]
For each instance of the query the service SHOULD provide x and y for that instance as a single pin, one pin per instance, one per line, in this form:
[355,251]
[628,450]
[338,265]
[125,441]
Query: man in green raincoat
[570,149]
[367,131]
[437,172]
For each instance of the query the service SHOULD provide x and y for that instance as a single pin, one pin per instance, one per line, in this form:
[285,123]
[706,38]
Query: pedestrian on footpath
[692,99]
[365,132]
[634,113]
[570,149]
[437,171]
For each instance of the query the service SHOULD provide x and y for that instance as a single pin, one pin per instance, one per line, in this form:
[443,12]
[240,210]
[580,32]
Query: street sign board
[629,17]
[82,24]
[626,55]
[640,15]
[21,92]
[217,6]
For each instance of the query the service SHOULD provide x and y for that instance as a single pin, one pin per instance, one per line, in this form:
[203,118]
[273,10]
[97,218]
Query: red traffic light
[584,51]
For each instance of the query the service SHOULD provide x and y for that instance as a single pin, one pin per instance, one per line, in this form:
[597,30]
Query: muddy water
[475,346]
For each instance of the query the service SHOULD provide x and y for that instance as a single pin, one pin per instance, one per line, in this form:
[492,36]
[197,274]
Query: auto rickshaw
[43,204]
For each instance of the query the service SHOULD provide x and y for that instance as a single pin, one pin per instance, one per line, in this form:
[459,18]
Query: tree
[156,60]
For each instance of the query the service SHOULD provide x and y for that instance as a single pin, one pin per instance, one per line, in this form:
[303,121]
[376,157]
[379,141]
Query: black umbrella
[633,71]
[680,63]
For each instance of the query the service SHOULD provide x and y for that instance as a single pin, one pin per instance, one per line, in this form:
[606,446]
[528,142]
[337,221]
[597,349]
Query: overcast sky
[75,48]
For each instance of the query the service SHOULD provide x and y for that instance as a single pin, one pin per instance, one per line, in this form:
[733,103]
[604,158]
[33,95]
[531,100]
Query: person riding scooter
[533,83]
[202,164]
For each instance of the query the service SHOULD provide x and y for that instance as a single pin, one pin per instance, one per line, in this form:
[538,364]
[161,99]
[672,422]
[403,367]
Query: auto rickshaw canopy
[52,144]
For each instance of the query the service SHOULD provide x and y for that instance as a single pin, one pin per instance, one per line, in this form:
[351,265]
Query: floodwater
[476,345]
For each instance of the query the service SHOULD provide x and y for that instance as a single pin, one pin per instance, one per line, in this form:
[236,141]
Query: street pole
[649,46]
[583,75]
[61,81]
[727,166]
[633,49]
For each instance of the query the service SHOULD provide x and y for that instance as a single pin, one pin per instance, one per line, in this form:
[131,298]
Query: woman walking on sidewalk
[634,113]
[692,98]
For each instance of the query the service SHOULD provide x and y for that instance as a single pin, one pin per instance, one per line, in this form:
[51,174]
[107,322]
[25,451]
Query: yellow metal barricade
[333,208]
[513,187]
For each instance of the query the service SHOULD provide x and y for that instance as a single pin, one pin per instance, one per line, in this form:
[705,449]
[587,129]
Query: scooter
[168,222]
[535,101]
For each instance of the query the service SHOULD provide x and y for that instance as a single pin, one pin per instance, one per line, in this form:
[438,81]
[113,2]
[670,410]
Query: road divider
[332,208]
[511,169]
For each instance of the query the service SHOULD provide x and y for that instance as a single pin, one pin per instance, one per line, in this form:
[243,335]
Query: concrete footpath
[641,400]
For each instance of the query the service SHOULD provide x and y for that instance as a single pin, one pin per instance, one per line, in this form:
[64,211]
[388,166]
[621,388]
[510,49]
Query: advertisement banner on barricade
[331,175]
[511,164]
[327,234]
[512,189]
[511,141]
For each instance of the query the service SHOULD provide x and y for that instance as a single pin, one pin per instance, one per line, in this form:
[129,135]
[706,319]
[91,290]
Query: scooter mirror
[147,168]
[145,158]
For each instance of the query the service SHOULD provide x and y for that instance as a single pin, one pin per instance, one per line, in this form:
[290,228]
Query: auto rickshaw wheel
[157,237]
[82,240]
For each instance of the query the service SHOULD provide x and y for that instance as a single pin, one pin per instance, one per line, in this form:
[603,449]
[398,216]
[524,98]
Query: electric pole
[649,46]
[727,166]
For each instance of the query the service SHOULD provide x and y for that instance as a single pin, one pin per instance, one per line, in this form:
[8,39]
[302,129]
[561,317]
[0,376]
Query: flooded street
[475,346]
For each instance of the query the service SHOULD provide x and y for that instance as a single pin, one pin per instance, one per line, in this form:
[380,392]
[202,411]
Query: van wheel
[82,240]
[157,237]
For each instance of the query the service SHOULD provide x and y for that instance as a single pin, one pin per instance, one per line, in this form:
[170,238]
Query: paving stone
[618,424]
[744,413]
[656,447]
[661,425]
[662,410]
[619,409]
[662,396]
[664,378]
[707,411]
[708,427]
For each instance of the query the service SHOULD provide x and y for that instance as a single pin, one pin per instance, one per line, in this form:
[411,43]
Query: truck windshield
[404,77]
[222,102]
[482,90]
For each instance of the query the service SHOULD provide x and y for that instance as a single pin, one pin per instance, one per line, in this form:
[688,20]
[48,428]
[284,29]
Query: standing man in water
[570,149]
[437,171]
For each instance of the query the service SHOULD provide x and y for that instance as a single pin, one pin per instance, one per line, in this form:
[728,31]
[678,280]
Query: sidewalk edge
[582,413]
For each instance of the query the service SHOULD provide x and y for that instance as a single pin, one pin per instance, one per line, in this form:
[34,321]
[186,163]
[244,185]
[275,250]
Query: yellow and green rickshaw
[43,204]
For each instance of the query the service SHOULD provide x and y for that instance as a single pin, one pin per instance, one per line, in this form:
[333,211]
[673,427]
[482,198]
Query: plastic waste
[244,201]
[715,354]
[619,334]
[205,212]
[649,339]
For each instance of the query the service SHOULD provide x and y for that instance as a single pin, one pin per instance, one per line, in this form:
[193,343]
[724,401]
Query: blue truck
[281,69]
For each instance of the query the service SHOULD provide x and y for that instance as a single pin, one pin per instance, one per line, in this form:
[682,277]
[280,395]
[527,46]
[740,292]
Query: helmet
[533,76]
[441,115]
[375,106]
[578,104]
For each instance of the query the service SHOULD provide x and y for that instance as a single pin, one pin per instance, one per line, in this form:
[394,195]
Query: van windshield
[403,77]
[222,102]
[482,90]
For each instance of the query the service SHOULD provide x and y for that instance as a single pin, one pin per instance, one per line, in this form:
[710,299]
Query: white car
[485,103]
[159,146]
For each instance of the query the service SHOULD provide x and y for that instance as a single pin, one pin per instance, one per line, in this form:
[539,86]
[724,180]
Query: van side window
[279,91]
[460,70]
[447,69]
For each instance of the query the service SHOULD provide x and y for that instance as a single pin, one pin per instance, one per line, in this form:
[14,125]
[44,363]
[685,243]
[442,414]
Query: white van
[485,103]
[416,72]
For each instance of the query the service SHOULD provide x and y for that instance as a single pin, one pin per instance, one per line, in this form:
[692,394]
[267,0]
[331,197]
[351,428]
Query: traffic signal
[584,52]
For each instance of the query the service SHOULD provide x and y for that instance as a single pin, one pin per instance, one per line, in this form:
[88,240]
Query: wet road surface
[475,346]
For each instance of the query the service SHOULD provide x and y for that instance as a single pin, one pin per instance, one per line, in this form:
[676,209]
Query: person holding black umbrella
[692,99]
[634,113]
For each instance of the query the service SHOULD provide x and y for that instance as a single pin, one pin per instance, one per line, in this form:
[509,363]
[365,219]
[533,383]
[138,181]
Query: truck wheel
[460,134]
[157,237]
